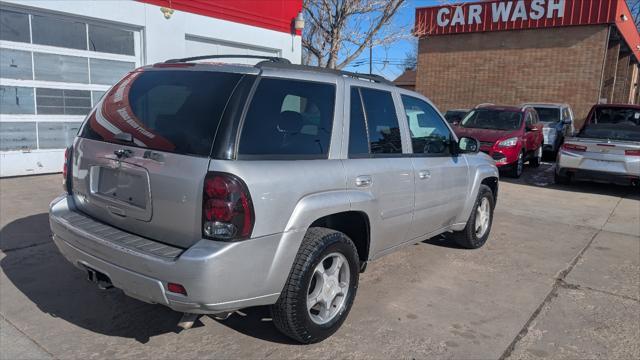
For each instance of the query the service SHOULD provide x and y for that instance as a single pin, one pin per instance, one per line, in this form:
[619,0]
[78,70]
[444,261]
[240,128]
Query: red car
[510,135]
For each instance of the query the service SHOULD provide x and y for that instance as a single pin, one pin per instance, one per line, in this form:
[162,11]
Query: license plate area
[122,189]
[123,186]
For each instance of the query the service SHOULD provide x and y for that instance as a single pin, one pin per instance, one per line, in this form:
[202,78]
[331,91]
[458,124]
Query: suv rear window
[176,110]
[288,119]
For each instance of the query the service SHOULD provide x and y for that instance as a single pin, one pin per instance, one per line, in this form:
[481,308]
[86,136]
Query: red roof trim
[273,15]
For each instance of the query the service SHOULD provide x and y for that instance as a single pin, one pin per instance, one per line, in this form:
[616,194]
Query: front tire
[321,287]
[518,167]
[475,234]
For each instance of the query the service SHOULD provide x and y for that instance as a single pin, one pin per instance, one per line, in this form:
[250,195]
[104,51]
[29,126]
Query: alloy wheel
[328,288]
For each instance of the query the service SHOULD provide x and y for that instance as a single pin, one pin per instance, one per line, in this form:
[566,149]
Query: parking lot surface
[559,277]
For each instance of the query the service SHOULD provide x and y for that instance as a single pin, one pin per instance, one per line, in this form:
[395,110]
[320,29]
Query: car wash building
[579,52]
[57,58]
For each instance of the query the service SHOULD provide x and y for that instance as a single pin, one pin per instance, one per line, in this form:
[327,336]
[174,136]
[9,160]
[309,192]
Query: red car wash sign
[512,15]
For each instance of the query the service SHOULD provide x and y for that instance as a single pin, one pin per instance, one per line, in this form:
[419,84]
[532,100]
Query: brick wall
[511,67]
[610,71]
[623,78]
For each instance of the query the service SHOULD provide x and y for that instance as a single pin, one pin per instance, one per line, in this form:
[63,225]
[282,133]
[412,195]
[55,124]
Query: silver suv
[211,187]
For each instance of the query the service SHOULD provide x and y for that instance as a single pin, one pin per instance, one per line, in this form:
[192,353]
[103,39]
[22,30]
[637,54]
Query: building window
[14,26]
[16,100]
[53,70]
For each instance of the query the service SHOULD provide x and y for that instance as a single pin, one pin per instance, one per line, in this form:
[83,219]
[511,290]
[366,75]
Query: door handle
[424,174]
[363,181]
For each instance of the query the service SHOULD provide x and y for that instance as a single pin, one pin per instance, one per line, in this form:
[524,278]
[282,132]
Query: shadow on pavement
[57,288]
[256,322]
[543,176]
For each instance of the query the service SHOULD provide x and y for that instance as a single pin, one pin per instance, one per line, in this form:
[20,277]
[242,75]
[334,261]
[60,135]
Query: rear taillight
[573,147]
[67,169]
[227,210]
[632,152]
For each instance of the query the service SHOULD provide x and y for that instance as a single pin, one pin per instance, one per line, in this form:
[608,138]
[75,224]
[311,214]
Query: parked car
[510,135]
[213,187]
[558,124]
[454,116]
[607,148]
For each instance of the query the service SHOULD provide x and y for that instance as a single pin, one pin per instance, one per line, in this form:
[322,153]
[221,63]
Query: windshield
[613,124]
[493,119]
[548,115]
[454,115]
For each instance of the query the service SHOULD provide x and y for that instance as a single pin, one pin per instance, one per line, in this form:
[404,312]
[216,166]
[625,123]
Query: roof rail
[283,65]
[273,59]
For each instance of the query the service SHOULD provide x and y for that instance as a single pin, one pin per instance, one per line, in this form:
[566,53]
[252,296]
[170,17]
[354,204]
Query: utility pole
[370,58]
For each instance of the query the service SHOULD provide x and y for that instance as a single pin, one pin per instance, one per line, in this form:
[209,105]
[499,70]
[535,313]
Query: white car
[607,149]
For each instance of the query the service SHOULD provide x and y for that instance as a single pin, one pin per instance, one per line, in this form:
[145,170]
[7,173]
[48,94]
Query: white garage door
[53,69]
[196,46]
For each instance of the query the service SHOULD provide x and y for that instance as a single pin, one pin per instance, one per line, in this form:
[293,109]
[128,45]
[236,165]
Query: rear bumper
[598,167]
[218,276]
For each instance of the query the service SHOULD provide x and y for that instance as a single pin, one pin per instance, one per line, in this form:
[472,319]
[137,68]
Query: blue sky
[397,51]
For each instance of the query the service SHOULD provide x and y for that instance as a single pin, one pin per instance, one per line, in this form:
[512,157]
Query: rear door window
[175,111]
[358,139]
[382,122]
[288,119]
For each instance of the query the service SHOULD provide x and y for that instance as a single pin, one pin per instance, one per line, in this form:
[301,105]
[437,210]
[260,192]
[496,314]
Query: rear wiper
[124,137]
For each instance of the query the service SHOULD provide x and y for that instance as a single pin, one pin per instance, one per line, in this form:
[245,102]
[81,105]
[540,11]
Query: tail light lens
[573,147]
[67,169]
[227,210]
[632,152]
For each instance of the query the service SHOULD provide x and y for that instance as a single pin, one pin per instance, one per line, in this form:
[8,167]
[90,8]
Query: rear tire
[561,179]
[537,158]
[291,313]
[471,237]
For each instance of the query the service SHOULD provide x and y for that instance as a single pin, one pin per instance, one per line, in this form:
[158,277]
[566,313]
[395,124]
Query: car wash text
[504,11]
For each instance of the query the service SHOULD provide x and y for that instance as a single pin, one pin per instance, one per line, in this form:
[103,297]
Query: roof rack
[283,65]
[273,59]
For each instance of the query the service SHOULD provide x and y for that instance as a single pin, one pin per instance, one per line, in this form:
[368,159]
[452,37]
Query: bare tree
[338,31]
[634,6]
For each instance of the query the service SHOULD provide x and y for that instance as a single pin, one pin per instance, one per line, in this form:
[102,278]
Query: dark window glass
[429,134]
[16,100]
[63,102]
[15,64]
[17,136]
[493,119]
[289,118]
[14,26]
[176,111]
[48,30]
[358,139]
[110,40]
[548,115]
[382,121]
[529,119]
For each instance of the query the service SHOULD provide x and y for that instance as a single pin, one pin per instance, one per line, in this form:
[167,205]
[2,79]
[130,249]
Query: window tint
[110,40]
[429,134]
[108,72]
[358,139]
[14,26]
[289,118]
[53,31]
[528,119]
[16,100]
[382,121]
[63,102]
[493,119]
[546,114]
[176,111]
[64,68]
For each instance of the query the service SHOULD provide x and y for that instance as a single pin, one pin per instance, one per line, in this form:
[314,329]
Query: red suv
[510,135]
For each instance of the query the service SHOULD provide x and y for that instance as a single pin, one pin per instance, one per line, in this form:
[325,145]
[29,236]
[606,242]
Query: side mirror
[468,145]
